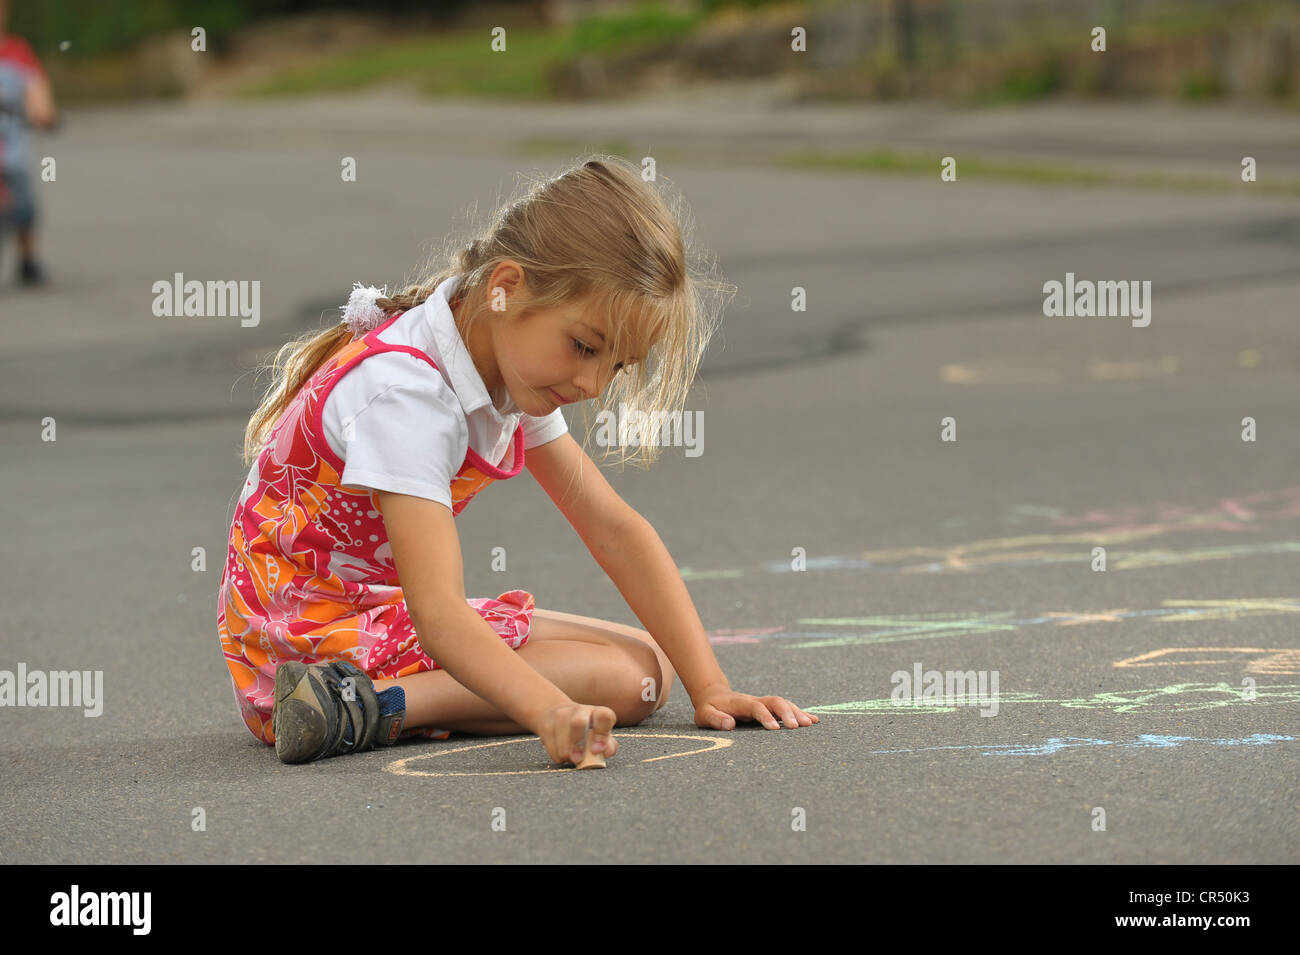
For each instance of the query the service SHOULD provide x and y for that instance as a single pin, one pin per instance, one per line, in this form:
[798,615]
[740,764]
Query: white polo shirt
[412,424]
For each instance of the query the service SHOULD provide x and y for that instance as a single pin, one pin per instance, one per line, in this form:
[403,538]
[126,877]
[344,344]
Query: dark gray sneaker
[31,273]
[328,709]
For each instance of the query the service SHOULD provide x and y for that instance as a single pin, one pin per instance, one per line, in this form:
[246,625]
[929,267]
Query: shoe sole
[298,720]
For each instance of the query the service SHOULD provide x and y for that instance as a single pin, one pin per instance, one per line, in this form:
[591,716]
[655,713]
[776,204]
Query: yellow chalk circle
[401,767]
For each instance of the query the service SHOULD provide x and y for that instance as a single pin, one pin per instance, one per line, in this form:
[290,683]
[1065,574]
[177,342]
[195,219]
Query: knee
[657,681]
[664,686]
[641,688]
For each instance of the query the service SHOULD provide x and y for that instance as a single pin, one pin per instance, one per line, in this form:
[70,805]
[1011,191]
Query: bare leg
[553,624]
[577,667]
[27,244]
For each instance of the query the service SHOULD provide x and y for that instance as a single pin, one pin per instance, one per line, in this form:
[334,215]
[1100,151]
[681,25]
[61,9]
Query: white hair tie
[361,314]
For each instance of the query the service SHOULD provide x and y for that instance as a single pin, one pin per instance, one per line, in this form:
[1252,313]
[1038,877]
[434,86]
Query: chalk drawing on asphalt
[893,628]
[1262,660]
[402,767]
[1110,528]
[1048,370]
[1057,744]
[1175,698]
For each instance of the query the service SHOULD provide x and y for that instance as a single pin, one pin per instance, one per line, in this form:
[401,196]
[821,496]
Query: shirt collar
[457,361]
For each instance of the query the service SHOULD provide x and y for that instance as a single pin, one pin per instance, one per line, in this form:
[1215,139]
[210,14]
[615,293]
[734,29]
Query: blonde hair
[597,231]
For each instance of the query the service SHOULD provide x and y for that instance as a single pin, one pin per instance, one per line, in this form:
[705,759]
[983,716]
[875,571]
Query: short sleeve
[539,431]
[19,52]
[408,437]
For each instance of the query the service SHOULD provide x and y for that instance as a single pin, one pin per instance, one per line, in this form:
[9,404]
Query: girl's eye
[584,350]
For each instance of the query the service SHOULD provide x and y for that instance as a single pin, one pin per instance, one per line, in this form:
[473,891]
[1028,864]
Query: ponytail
[293,365]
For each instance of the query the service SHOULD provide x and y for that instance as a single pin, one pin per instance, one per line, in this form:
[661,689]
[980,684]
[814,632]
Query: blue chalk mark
[816,563]
[1056,744]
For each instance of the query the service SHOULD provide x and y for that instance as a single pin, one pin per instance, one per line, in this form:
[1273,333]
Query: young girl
[343,616]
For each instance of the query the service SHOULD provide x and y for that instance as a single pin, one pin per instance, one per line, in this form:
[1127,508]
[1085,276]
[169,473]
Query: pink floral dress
[309,571]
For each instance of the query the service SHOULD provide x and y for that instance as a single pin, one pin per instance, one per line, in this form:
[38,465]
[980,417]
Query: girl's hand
[717,707]
[563,730]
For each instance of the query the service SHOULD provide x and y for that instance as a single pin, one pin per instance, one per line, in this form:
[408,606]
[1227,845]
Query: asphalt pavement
[830,537]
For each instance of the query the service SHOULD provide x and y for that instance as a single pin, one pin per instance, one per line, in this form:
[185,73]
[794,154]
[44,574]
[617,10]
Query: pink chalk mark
[746,631]
[1230,507]
[744,635]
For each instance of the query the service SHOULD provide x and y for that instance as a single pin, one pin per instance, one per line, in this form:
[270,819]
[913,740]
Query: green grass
[891,161]
[1043,59]
[464,62]
[969,168]
[646,26]
[1038,81]
[1040,173]
[451,64]
[1200,85]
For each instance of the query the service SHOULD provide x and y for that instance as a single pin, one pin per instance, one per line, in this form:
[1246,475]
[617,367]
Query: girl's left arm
[635,558]
[630,551]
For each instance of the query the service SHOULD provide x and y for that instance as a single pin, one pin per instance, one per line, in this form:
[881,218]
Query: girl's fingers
[715,718]
[760,713]
[791,714]
[786,709]
[588,726]
[579,720]
[806,716]
[771,705]
[602,724]
[771,711]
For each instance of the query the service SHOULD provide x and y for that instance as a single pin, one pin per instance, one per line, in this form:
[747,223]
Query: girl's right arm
[426,553]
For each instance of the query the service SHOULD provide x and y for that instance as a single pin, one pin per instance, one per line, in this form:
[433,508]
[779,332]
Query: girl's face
[549,358]
[555,358]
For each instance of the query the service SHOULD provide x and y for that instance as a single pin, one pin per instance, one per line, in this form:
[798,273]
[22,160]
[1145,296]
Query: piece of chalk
[591,760]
